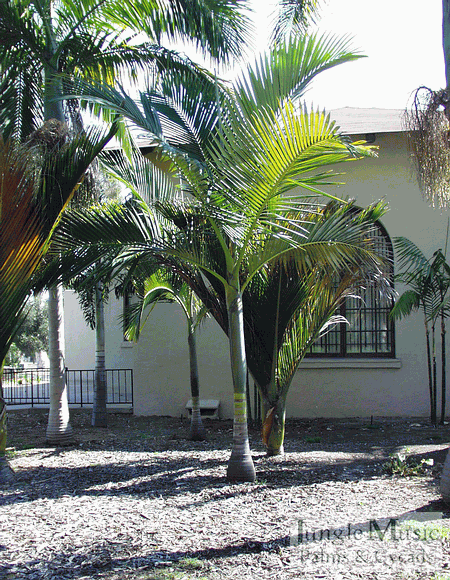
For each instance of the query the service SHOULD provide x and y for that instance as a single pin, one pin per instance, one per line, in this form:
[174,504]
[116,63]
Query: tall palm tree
[238,152]
[284,309]
[35,185]
[288,304]
[94,38]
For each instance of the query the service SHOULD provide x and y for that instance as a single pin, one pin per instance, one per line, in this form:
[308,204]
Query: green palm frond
[410,257]
[21,97]
[218,28]
[286,72]
[293,18]
[406,303]
[32,196]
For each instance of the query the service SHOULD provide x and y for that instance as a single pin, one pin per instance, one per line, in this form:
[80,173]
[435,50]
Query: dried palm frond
[427,124]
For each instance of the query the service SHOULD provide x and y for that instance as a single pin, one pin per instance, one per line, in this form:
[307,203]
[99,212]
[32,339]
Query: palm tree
[165,286]
[238,153]
[294,17]
[40,40]
[428,283]
[284,309]
[287,308]
[36,183]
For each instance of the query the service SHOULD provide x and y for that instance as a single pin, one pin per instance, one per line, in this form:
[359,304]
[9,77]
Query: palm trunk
[443,371]
[6,473]
[240,464]
[445,479]
[446,39]
[274,427]
[59,430]
[99,412]
[197,430]
[430,369]
[434,381]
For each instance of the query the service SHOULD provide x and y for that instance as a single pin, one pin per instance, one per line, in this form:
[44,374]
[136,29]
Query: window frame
[344,328]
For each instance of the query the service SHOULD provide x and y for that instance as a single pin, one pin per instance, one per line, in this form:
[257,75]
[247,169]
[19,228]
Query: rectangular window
[369,332]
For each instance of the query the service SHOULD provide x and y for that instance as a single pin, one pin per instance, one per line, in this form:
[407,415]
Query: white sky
[401,38]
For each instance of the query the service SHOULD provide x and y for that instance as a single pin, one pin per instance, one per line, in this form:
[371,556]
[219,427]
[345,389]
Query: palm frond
[286,71]
[293,18]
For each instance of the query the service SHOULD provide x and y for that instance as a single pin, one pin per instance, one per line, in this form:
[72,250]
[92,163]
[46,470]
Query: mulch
[138,500]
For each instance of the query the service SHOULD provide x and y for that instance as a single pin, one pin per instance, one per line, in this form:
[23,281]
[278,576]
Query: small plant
[10,452]
[310,439]
[190,564]
[403,466]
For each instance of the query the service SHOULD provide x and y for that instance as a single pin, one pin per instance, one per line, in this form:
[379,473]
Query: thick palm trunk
[274,427]
[59,430]
[99,412]
[240,464]
[446,39]
[197,430]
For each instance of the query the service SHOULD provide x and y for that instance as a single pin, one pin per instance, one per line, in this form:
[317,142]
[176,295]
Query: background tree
[164,285]
[294,17]
[32,337]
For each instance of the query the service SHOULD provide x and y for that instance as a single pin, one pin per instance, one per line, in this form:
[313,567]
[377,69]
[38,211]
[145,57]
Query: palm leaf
[32,198]
[294,17]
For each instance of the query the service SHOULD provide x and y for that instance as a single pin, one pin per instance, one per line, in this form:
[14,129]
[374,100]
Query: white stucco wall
[161,372]
[80,339]
[330,388]
[321,388]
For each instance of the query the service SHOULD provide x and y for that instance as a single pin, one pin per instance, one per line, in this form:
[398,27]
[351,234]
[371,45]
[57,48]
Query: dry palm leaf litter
[349,499]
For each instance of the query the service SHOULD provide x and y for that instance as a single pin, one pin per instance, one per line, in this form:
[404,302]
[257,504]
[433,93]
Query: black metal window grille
[370,332]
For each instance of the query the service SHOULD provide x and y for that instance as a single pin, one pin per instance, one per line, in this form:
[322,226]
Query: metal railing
[31,387]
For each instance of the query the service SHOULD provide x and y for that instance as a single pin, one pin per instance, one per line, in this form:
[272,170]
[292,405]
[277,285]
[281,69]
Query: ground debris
[133,501]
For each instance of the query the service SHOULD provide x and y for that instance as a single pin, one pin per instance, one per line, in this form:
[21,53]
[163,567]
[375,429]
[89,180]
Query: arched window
[370,331]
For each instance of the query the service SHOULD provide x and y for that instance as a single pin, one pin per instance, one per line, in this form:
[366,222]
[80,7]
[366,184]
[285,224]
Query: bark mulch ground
[138,500]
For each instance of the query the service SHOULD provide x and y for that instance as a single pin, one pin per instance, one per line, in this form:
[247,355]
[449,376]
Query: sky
[401,38]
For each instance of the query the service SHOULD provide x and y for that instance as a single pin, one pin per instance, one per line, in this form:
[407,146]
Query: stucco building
[377,370]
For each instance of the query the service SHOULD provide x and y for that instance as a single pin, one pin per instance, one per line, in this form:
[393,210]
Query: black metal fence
[31,386]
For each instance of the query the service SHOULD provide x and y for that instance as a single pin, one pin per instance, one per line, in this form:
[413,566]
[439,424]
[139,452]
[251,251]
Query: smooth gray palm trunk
[59,430]
[99,411]
[445,479]
[240,464]
[197,430]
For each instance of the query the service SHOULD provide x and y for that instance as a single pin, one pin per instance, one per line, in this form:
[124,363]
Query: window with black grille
[370,331]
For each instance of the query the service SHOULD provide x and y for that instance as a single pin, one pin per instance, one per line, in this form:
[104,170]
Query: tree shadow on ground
[178,474]
[107,560]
